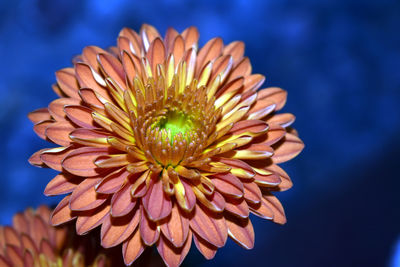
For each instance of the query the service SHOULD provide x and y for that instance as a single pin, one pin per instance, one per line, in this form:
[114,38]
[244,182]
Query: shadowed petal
[274,94]
[122,202]
[228,185]
[286,182]
[236,50]
[112,182]
[252,192]
[288,148]
[63,183]
[284,119]
[81,161]
[90,137]
[262,209]
[204,247]
[267,180]
[209,52]
[41,114]
[210,227]
[81,116]
[114,231]
[149,231]
[173,256]
[91,219]
[132,248]
[67,82]
[62,213]
[177,228]
[112,67]
[237,207]
[53,157]
[276,207]
[40,128]
[241,231]
[56,108]
[35,158]
[59,131]
[191,36]
[85,197]
[157,204]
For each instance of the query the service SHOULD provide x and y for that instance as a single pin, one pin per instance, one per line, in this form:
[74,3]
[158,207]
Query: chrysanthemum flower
[162,142]
[33,242]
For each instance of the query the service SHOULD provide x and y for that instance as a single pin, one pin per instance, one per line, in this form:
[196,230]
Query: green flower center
[174,122]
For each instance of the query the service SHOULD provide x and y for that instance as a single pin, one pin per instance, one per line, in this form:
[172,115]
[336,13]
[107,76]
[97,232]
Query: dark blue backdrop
[340,63]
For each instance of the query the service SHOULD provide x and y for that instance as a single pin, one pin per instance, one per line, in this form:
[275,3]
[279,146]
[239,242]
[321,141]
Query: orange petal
[20,223]
[28,244]
[62,213]
[284,119]
[252,83]
[286,182]
[80,115]
[236,50]
[134,38]
[112,68]
[90,137]
[157,204]
[276,207]
[41,114]
[252,192]
[91,219]
[59,131]
[243,68]
[267,180]
[56,108]
[210,227]
[54,156]
[4,262]
[191,36]
[228,185]
[209,52]
[86,78]
[112,182]
[239,168]
[262,210]
[89,55]
[237,207]
[260,109]
[132,248]
[114,231]
[156,54]
[190,197]
[241,231]
[274,94]
[47,249]
[176,229]
[14,255]
[92,99]
[148,34]
[11,237]
[122,202]
[287,148]
[252,151]
[67,81]
[249,126]
[171,255]
[63,183]
[214,202]
[81,161]
[35,158]
[40,128]
[85,197]
[204,247]
[149,231]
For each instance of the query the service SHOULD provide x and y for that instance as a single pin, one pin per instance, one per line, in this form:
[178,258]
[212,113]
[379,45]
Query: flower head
[32,241]
[162,142]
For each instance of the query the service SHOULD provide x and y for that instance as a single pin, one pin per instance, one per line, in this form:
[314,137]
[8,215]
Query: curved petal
[287,148]
[56,108]
[156,203]
[237,207]
[176,229]
[205,248]
[81,161]
[132,248]
[62,213]
[80,115]
[276,207]
[171,255]
[122,202]
[63,183]
[41,114]
[59,131]
[241,231]
[228,185]
[210,227]
[92,219]
[112,182]
[85,197]
[149,231]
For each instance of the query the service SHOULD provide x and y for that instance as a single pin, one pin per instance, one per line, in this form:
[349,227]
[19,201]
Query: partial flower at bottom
[163,143]
[32,241]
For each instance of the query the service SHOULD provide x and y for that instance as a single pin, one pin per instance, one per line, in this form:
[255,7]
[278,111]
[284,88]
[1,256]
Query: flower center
[175,122]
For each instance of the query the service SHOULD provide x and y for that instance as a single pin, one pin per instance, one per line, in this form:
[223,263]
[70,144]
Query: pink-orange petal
[59,131]
[56,107]
[252,192]
[41,114]
[211,227]
[132,248]
[241,231]
[114,231]
[112,67]
[262,210]
[173,256]
[274,94]
[275,205]
[85,197]
[149,231]
[67,81]
[204,247]
[228,185]
[81,161]
[112,182]
[62,213]
[91,219]
[157,204]
[54,157]
[63,183]
[122,202]
[176,229]
[237,207]
[288,148]
[40,128]
[283,119]
[81,116]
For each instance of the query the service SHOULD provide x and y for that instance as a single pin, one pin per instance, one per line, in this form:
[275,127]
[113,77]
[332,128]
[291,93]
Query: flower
[32,241]
[164,143]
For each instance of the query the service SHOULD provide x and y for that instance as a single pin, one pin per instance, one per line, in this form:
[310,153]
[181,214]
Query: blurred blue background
[340,63]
